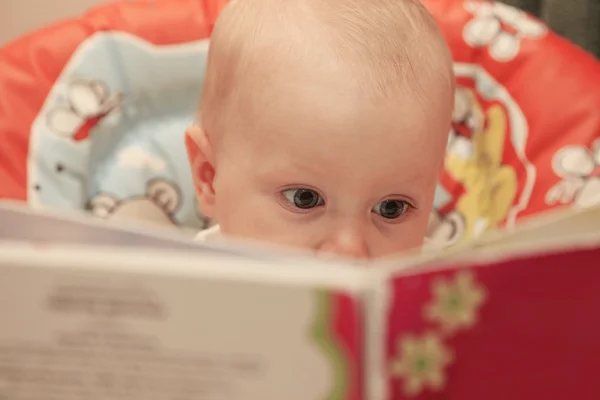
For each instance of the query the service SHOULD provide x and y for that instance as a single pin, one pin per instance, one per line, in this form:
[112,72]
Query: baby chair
[93,112]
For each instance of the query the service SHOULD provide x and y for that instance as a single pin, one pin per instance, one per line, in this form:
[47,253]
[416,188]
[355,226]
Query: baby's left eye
[303,199]
[391,209]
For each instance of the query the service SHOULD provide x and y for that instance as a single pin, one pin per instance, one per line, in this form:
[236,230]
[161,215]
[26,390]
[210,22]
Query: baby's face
[322,168]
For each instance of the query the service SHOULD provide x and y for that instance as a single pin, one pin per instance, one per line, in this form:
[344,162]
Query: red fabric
[555,85]
[30,65]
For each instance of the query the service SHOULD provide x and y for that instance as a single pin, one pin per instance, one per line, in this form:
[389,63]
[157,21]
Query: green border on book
[321,333]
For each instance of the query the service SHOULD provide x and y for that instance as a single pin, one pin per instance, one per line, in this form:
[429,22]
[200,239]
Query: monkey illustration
[445,230]
[579,168]
[88,102]
[158,205]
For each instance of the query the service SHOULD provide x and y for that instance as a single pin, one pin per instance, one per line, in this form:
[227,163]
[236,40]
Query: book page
[557,224]
[130,326]
[551,231]
[556,231]
[22,224]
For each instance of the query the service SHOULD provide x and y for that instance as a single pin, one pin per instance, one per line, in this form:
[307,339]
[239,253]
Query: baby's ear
[200,154]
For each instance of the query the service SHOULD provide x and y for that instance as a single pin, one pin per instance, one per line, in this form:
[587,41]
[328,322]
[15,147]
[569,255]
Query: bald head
[324,124]
[382,49]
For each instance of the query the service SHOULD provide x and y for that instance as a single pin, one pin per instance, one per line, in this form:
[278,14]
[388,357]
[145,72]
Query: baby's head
[323,124]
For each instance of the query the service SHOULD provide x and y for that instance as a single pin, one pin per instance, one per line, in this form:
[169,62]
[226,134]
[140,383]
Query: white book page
[563,224]
[551,231]
[21,224]
[87,324]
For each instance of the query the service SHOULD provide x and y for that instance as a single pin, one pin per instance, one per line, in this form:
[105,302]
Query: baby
[323,124]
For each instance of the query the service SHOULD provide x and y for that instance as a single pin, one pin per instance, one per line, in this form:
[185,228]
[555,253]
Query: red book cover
[523,328]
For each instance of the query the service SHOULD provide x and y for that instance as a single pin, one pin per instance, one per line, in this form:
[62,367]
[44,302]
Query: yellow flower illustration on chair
[456,302]
[421,363]
[477,163]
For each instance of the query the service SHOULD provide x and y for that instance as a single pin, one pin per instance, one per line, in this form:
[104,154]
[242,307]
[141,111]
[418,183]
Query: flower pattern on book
[421,360]
[456,302]
[421,363]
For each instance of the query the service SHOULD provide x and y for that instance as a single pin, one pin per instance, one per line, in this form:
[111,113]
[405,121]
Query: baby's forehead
[322,94]
[381,39]
[333,115]
[272,64]
[371,147]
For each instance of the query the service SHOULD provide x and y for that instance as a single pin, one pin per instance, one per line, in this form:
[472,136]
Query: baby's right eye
[304,199]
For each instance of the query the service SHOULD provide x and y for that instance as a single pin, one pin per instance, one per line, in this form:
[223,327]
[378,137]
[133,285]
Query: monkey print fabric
[525,133]
[93,111]
[95,120]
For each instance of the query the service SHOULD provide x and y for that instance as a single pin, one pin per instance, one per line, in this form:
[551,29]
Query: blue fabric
[112,127]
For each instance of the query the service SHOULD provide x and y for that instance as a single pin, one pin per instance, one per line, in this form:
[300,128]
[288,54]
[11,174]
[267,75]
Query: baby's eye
[391,209]
[303,198]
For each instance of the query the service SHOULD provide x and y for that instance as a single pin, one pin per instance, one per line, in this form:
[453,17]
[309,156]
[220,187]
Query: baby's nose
[346,244]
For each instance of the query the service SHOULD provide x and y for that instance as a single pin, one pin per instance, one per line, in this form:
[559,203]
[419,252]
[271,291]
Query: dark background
[577,20]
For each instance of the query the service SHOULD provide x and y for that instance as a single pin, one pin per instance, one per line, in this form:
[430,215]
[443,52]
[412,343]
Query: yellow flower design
[456,302]
[421,363]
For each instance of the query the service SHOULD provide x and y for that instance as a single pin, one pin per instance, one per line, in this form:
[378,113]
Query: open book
[93,311]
